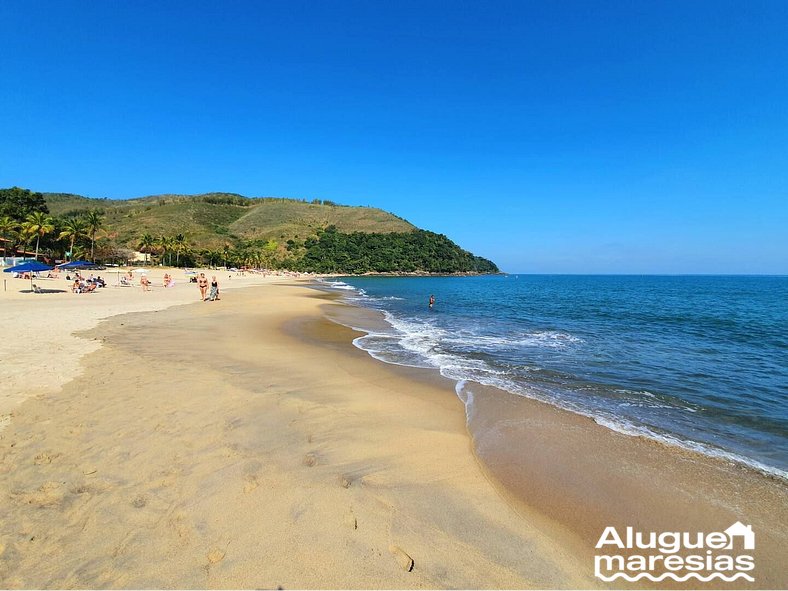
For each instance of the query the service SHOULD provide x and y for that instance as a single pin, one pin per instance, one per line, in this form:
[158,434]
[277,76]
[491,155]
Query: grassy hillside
[225,229]
[213,219]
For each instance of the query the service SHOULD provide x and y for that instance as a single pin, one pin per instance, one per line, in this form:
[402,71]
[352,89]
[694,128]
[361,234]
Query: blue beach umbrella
[78,265]
[28,267]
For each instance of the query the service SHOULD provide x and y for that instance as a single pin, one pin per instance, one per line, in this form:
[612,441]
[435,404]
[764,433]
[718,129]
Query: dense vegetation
[225,229]
[418,251]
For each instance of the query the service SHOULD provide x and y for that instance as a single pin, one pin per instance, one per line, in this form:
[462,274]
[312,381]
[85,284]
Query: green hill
[212,219]
[228,229]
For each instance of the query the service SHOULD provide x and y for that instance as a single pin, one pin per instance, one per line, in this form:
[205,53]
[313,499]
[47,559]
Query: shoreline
[532,450]
[250,444]
[374,319]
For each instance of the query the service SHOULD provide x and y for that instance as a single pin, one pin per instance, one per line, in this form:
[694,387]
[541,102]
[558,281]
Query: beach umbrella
[28,267]
[78,265]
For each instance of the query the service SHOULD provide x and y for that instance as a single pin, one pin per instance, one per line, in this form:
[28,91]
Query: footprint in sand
[251,474]
[232,424]
[47,495]
[139,501]
[92,486]
[45,458]
[231,450]
[310,459]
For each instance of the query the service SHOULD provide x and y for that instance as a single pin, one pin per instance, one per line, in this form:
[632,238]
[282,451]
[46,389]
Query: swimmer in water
[432,301]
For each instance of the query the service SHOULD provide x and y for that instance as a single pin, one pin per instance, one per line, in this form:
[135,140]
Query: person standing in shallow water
[432,301]
[202,283]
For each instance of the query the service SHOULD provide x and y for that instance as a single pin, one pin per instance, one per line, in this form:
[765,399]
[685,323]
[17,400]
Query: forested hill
[408,252]
[230,229]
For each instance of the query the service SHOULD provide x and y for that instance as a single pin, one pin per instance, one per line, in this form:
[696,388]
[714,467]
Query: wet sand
[586,477]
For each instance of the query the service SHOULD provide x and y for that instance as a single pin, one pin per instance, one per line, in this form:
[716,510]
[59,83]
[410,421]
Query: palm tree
[226,251]
[167,245]
[79,252]
[179,243]
[94,220]
[210,256]
[39,224]
[24,236]
[146,244]
[7,227]
[73,228]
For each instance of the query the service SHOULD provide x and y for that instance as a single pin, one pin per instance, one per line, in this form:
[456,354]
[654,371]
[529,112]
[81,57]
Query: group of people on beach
[202,283]
[209,291]
[83,285]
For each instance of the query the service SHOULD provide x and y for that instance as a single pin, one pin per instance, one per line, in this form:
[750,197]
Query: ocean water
[696,361]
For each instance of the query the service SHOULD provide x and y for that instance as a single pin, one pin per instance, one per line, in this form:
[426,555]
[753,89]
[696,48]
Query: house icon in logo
[745,531]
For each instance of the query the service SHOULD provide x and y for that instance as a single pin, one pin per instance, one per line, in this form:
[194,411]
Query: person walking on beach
[214,295]
[202,283]
[432,300]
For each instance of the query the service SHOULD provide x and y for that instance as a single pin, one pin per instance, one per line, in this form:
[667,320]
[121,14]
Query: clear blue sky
[629,137]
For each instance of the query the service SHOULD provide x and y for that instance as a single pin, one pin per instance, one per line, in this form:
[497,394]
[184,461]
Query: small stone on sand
[402,557]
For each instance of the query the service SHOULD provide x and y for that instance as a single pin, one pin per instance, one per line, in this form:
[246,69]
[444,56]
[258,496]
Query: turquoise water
[697,361]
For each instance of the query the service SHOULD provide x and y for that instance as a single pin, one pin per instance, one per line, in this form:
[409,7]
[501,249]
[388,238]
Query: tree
[226,251]
[166,244]
[7,227]
[39,224]
[73,228]
[333,251]
[180,246]
[24,236]
[146,244]
[94,220]
[212,257]
[18,203]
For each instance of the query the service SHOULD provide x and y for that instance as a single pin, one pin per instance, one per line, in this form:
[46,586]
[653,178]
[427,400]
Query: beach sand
[586,477]
[246,443]
[40,352]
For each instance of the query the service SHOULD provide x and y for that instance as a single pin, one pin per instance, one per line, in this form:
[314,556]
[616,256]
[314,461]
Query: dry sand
[39,351]
[245,443]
